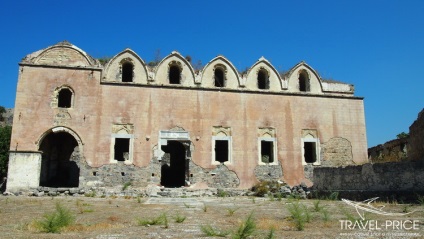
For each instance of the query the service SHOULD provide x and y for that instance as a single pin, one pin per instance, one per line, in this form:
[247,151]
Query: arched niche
[232,78]
[126,67]
[263,76]
[303,78]
[167,68]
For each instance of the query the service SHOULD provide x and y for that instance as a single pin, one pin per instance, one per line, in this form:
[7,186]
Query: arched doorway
[173,172]
[57,167]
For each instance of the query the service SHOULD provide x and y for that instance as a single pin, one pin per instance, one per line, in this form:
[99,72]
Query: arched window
[127,72]
[174,74]
[263,80]
[64,98]
[304,84]
[219,77]
[310,150]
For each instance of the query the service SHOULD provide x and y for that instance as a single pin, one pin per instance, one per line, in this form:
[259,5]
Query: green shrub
[270,235]
[325,214]
[5,134]
[126,185]
[160,220]
[266,187]
[54,222]
[334,196]
[231,211]
[317,207]
[90,194]
[179,219]
[420,199]
[209,231]
[222,193]
[246,229]
[298,215]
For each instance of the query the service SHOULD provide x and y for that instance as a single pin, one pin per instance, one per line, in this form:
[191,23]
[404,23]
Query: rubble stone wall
[393,176]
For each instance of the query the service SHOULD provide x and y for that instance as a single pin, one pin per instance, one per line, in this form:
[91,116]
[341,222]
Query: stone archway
[58,166]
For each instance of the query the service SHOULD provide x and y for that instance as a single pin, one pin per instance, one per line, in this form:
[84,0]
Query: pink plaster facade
[150,104]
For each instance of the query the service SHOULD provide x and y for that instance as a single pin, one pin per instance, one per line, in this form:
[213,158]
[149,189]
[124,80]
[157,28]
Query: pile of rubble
[262,189]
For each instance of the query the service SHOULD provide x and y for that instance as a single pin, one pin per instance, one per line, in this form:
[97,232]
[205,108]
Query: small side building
[79,123]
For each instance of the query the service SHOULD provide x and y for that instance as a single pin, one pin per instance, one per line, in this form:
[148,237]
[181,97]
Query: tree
[5,133]
[2,111]
[402,135]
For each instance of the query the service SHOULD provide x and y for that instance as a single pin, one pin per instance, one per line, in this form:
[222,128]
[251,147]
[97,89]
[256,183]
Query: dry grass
[265,223]
[117,216]
[93,228]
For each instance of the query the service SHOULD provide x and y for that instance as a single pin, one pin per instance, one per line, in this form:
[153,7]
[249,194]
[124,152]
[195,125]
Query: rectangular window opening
[122,149]
[267,151]
[310,152]
[221,151]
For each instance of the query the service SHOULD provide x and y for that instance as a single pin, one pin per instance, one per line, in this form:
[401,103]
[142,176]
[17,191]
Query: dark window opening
[64,98]
[221,151]
[175,173]
[121,149]
[267,151]
[59,155]
[263,80]
[127,72]
[310,152]
[219,78]
[174,75]
[304,84]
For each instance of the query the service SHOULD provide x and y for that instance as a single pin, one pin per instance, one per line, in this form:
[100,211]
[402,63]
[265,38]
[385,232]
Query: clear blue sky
[376,45]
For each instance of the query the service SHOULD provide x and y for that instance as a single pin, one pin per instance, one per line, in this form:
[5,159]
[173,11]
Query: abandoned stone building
[79,123]
[391,151]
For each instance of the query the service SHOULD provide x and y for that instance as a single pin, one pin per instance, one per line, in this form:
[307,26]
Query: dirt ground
[108,218]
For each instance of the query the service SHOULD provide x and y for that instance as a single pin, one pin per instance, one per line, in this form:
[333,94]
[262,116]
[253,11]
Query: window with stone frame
[219,76]
[174,74]
[310,148]
[304,82]
[127,72]
[221,145]
[263,79]
[122,141]
[267,146]
[63,97]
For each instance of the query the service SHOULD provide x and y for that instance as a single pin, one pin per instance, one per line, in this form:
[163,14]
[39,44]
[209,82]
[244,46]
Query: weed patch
[54,222]
[160,220]
[246,229]
[298,215]
[209,231]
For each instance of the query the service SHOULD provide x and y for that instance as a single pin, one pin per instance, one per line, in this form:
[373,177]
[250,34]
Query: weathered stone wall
[268,172]
[394,176]
[336,152]
[416,138]
[391,151]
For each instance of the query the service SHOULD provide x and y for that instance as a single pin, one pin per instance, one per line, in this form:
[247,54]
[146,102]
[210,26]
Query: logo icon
[365,206]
